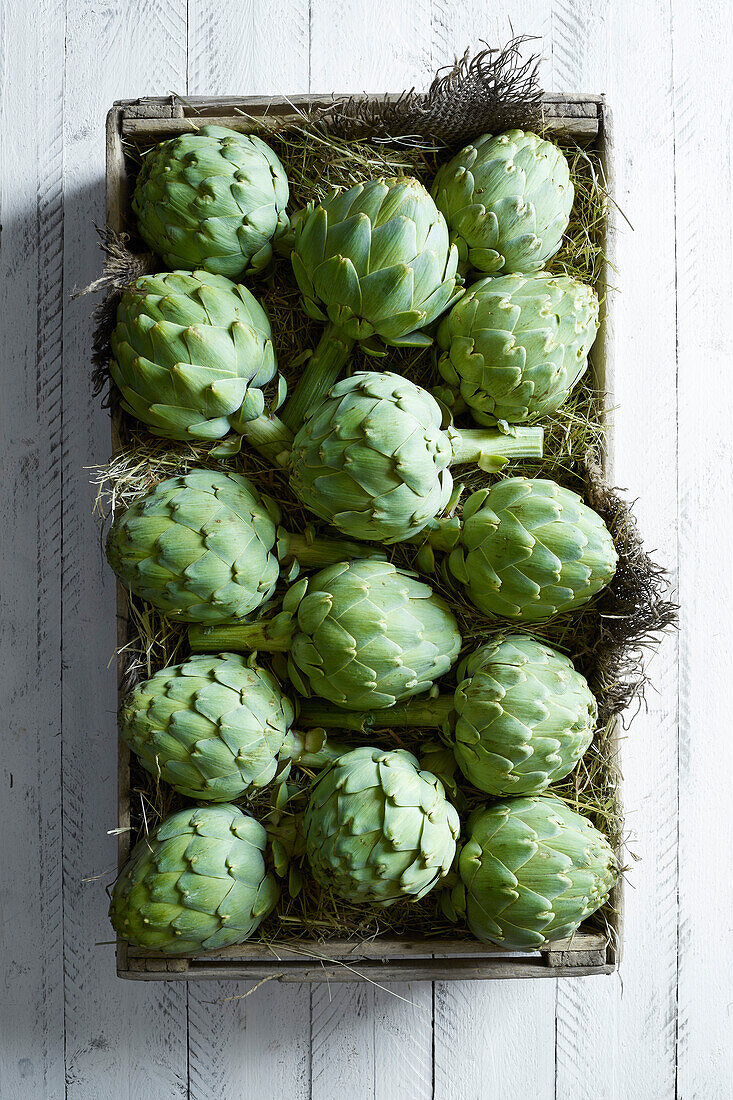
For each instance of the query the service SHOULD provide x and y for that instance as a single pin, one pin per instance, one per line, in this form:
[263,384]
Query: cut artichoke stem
[322,371]
[269,635]
[312,551]
[270,437]
[312,749]
[430,712]
[490,449]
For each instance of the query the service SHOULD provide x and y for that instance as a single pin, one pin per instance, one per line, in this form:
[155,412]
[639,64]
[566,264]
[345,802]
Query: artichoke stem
[322,370]
[312,552]
[269,635]
[312,752]
[269,436]
[491,448]
[430,712]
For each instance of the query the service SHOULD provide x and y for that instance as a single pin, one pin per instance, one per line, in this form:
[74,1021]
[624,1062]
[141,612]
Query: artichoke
[532,870]
[362,634]
[213,199]
[507,201]
[520,718]
[215,728]
[191,353]
[374,262]
[524,716]
[514,347]
[372,457]
[200,547]
[197,882]
[527,549]
[379,830]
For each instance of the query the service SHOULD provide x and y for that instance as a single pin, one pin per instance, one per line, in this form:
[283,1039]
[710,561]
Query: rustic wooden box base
[585,119]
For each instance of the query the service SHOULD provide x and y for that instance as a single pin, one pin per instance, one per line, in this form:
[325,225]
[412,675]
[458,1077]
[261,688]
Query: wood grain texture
[263,1039]
[703,183]
[658,1030]
[121,1041]
[31,916]
[594,1022]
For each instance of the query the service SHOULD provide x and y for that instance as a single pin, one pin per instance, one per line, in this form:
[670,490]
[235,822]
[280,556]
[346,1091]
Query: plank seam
[678,541]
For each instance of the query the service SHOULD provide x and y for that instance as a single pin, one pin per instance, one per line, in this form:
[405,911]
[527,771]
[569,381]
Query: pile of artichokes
[362,645]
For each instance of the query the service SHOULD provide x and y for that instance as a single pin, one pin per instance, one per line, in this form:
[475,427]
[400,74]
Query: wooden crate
[586,119]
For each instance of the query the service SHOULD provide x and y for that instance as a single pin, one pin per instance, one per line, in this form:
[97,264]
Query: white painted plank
[457,27]
[242,1046]
[263,1038]
[403,1041]
[587,1025]
[495,1039]
[483,1045]
[342,1040]
[122,1039]
[596,1026]
[31,165]
[244,47]
[381,46]
[703,37]
[366,1041]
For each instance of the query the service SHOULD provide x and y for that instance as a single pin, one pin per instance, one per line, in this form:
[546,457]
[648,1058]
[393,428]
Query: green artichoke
[520,718]
[374,262]
[514,347]
[524,716]
[362,634]
[197,882]
[213,199]
[372,457]
[379,830]
[527,549]
[191,353]
[507,201]
[215,728]
[532,870]
[200,547]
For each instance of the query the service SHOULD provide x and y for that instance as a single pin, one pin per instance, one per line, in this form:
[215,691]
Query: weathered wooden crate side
[586,119]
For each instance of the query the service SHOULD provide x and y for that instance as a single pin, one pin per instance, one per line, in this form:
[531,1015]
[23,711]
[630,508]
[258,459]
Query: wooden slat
[248,1046]
[31,544]
[381,948]
[159,129]
[121,1042]
[598,1023]
[396,971]
[702,37]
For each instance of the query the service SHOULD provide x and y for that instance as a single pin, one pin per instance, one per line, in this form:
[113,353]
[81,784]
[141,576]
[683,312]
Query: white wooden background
[662,1027]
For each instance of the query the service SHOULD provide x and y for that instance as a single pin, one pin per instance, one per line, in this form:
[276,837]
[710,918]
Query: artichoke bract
[527,549]
[373,459]
[213,727]
[191,353]
[197,882]
[515,346]
[519,720]
[507,200]
[204,547]
[532,870]
[199,547]
[213,199]
[378,829]
[375,262]
[362,634]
